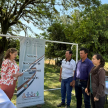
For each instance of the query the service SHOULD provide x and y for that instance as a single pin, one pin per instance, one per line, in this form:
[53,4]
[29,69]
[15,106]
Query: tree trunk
[56,61]
[3,47]
[49,61]
[3,40]
[1,57]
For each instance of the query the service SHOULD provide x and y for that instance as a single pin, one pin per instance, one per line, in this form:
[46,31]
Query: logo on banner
[30,95]
[25,86]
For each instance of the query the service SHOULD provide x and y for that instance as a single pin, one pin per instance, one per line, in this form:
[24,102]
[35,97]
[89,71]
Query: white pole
[10,36]
[61,42]
[71,47]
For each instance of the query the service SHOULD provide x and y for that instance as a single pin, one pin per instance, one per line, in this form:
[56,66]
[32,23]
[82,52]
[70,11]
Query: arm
[4,68]
[74,77]
[88,84]
[90,67]
[17,75]
[74,69]
[73,82]
[101,75]
[60,74]
[87,89]
[74,74]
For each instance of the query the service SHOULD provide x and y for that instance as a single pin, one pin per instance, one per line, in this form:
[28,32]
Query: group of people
[88,78]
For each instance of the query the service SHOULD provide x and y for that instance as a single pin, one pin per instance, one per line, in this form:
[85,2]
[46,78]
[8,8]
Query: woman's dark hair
[10,50]
[102,63]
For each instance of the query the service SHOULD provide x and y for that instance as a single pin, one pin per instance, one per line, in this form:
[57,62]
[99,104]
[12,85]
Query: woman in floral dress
[9,73]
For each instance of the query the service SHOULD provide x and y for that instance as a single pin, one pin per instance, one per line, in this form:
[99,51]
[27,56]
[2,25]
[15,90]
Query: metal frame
[10,36]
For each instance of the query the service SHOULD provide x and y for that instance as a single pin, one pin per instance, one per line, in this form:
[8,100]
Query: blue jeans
[79,90]
[66,89]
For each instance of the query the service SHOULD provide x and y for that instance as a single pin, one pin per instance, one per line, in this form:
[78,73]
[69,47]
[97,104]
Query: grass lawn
[52,98]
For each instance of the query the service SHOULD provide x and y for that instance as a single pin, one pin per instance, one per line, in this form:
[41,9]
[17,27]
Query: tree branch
[14,12]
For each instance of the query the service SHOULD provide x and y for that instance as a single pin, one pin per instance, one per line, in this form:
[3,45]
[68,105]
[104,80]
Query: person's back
[5,101]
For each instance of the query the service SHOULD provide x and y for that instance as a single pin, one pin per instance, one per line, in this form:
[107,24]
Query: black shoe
[61,104]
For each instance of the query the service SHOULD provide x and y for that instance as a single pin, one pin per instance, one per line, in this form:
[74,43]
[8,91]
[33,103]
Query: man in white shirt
[66,76]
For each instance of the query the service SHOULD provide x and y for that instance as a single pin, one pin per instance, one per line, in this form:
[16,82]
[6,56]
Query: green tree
[14,12]
[90,30]
[55,32]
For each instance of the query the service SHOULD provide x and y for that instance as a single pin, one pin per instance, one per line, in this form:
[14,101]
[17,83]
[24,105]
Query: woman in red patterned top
[9,73]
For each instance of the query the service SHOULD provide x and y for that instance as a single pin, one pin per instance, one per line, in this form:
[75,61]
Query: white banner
[30,91]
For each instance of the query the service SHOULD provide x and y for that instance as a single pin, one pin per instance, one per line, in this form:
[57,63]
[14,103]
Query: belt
[80,79]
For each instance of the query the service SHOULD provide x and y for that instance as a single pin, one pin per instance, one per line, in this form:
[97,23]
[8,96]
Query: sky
[38,31]
[104,1]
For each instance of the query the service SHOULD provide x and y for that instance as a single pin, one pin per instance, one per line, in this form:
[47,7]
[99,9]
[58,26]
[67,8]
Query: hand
[86,91]
[96,99]
[72,83]
[21,74]
[59,79]
[17,75]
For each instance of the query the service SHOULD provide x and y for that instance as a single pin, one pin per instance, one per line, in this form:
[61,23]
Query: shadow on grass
[52,98]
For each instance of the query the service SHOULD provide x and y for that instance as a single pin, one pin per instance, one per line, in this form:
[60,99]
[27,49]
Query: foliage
[32,11]
[56,32]
[87,28]
[91,30]
[15,15]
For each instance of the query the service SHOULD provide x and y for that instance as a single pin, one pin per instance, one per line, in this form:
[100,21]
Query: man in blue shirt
[82,70]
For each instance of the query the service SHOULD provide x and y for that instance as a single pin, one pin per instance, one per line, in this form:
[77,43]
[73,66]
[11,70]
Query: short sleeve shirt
[8,68]
[68,68]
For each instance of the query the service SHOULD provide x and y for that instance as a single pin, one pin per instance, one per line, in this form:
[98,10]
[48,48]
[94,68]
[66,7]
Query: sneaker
[61,104]
[67,106]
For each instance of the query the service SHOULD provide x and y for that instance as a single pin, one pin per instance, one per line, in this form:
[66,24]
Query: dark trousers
[79,90]
[66,89]
[97,104]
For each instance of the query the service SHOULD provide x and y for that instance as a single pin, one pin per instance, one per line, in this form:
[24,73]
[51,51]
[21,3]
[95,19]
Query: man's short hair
[70,52]
[85,50]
